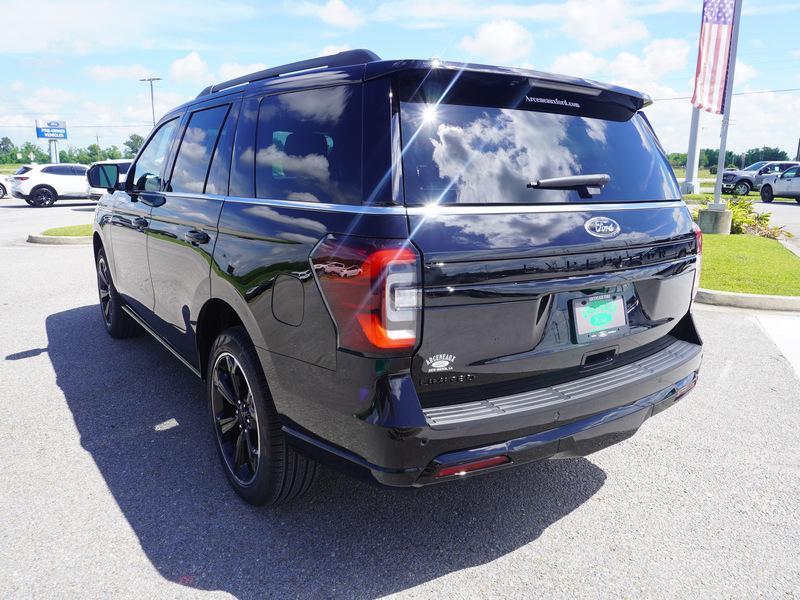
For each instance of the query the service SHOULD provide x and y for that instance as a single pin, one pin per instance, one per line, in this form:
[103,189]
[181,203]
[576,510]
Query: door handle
[141,223]
[195,237]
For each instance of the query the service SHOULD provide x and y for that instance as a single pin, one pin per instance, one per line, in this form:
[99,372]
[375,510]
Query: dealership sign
[51,130]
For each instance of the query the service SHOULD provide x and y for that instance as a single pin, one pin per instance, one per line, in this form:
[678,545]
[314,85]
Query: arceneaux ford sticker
[602,227]
[439,362]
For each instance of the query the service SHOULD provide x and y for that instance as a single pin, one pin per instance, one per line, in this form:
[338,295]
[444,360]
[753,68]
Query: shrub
[747,220]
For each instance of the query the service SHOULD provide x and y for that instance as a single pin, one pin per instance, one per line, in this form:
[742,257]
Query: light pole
[152,102]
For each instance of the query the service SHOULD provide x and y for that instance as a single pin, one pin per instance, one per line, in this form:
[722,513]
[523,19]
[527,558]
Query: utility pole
[691,184]
[152,102]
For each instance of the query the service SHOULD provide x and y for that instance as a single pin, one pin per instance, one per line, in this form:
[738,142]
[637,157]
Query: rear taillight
[372,290]
[698,236]
[21,178]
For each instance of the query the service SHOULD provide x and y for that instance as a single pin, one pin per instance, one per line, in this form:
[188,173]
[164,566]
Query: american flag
[713,58]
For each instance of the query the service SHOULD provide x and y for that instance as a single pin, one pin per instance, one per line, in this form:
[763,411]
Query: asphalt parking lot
[111,488]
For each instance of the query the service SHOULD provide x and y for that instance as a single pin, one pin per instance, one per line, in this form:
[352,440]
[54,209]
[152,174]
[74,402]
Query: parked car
[43,185]
[741,182]
[124,164]
[784,185]
[497,267]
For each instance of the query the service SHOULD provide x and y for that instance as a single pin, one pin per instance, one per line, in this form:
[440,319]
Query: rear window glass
[197,145]
[309,146]
[22,170]
[456,153]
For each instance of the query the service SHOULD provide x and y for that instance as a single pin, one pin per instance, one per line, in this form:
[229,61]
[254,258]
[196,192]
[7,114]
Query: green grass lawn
[70,230]
[680,173]
[749,264]
[9,169]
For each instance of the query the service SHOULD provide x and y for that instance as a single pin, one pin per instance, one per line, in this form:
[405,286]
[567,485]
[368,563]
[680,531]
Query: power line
[734,94]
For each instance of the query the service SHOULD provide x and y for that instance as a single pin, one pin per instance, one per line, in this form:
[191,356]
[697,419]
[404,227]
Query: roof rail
[348,57]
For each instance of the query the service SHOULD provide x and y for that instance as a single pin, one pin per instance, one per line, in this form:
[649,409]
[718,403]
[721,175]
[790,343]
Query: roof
[374,67]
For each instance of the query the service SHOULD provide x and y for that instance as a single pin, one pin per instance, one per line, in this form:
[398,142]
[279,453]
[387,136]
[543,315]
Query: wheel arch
[44,185]
[215,316]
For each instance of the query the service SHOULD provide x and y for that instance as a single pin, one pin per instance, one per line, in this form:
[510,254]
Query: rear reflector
[372,289]
[698,236]
[469,467]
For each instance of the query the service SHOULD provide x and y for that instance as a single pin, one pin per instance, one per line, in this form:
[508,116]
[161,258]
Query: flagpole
[691,183]
[719,204]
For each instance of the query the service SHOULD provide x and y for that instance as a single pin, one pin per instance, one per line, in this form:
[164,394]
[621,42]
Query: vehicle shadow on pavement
[346,538]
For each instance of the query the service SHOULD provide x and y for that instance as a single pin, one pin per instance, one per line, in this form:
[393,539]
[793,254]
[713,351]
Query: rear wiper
[586,185]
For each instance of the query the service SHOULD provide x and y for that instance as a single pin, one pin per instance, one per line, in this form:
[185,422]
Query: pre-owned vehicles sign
[51,130]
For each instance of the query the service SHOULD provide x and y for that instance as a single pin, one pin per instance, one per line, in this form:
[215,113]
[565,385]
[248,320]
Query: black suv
[417,270]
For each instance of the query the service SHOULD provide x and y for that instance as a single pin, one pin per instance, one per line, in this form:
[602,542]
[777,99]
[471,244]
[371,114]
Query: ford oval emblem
[53,123]
[602,227]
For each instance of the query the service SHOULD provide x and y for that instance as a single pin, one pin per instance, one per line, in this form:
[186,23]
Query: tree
[132,145]
[112,153]
[39,155]
[764,153]
[677,159]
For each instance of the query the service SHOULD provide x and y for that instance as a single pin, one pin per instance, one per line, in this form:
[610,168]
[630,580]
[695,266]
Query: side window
[79,171]
[791,173]
[217,181]
[197,146]
[147,170]
[309,146]
[49,170]
[58,170]
[123,168]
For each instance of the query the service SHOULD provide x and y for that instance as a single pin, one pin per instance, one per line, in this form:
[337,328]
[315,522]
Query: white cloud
[744,72]
[642,71]
[190,69]
[232,70]
[16,86]
[333,12]
[111,72]
[578,64]
[500,41]
[602,25]
[423,14]
[334,49]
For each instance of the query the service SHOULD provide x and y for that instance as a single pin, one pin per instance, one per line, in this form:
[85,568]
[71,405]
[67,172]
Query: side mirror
[104,176]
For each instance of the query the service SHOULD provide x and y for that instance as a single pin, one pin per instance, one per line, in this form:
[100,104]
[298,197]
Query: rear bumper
[404,449]
[19,195]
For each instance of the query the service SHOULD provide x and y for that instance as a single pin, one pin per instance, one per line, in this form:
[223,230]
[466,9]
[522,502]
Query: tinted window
[58,170]
[123,168]
[197,145]
[217,182]
[22,170]
[147,170]
[309,146]
[79,170]
[791,172]
[485,155]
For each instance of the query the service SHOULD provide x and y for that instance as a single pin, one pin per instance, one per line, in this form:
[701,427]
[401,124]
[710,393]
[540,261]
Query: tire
[43,196]
[766,193]
[3,191]
[29,201]
[742,188]
[260,466]
[118,323]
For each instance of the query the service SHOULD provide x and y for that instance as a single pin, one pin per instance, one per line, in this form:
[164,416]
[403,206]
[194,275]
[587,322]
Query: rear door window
[197,146]
[472,151]
[309,146]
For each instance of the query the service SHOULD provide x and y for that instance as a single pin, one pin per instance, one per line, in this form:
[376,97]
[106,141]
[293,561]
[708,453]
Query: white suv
[42,185]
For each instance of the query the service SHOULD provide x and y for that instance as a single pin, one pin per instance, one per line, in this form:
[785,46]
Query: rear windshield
[22,170]
[462,153]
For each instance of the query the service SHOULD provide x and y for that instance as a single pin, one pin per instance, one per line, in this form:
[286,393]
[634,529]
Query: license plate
[599,316]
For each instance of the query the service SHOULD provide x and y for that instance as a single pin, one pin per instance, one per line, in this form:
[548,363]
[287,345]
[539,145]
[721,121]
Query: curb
[791,247]
[60,240]
[756,301]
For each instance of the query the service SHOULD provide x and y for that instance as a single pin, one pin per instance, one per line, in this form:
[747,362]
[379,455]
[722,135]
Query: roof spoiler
[342,59]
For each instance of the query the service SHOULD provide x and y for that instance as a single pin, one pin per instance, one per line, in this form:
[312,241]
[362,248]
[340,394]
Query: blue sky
[76,68]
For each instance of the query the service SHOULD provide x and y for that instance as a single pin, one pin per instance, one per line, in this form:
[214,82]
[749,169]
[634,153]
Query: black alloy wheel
[766,193]
[236,418]
[258,462]
[118,323]
[43,197]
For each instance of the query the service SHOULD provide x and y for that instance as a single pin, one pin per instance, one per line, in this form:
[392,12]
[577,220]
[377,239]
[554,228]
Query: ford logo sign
[602,227]
[54,123]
